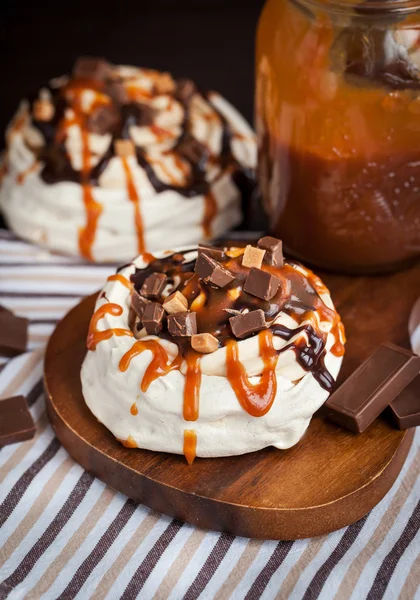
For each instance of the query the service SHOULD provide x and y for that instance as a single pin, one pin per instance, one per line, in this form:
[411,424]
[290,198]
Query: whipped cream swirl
[179,175]
[153,393]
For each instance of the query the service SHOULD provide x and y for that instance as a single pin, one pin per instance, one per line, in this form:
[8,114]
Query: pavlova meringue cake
[115,161]
[212,351]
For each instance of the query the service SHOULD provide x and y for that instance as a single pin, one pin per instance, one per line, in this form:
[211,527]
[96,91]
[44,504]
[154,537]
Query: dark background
[211,41]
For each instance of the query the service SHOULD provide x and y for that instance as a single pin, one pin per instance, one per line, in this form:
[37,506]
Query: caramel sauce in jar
[337,115]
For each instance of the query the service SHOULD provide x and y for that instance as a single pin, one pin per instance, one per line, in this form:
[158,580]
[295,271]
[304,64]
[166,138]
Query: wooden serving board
[330,479]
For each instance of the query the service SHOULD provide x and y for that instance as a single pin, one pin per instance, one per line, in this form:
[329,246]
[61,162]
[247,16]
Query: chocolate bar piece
[212,251]
[13,334]
[211,271]
[372,387]
[405,409]
[261,284]
[152,318]
[244,325]
[153,285]
[138,303]
[16,423]
[87,67]
[192,150]
[103,119]
[185,90]
[273,250]
[118,92]
[182,324]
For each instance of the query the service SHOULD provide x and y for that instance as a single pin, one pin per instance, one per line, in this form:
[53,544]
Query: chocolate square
[261,284]
[152,318]
[13,334]
[185,90]
[182,324]
[153,285]
[247,323]
[405,409]
[138,303]
[87,67]
[103,120]
[16,423]
[273,251]
[212,272]
[212,251]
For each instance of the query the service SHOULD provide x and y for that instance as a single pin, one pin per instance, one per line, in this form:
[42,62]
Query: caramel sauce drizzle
[134,410]
[158,366]
[192,387]
[135,199]
[210,212]
[94,336]
[190,445]
[123,280]
[257,398]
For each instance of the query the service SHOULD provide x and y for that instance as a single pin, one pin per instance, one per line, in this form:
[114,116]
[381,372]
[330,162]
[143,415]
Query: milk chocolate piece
[273,250]
[153,285]
[118,92]
[244,325]
[138,303]
[88,67]
[102,120]
[152,318]
[185,90]
[261,284]
[211,271]
[212,251]
[13,334]
[372,387]
[16,423]
[182,324]
[405,409]
[191,149]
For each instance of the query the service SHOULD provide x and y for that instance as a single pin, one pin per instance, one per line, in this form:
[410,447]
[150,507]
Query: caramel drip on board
[257,398]
[135,199]
[128,443]
[123,280]
[94,336]
[192,386]
[190,445]
[210,212]
[158,366]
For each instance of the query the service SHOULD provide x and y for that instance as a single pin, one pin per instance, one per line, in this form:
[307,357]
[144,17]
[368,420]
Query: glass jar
[338,122]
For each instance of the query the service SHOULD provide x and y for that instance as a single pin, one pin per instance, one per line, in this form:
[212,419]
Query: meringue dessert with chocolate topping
[212,351]
[115,161]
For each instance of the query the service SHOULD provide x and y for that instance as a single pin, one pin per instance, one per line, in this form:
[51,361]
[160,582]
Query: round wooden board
[330,479]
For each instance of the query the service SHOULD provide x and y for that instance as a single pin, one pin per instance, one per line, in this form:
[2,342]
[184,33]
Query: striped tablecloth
[64,534]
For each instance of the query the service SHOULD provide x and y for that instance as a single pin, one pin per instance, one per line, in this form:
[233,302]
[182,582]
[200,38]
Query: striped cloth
[64,534]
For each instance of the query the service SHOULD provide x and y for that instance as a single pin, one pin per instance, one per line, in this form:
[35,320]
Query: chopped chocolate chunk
[372,387]
[87,67]
[117,91]
[13,334]
[138,303]
[152,318]
[273,251]
[16,423]
[103,120]
[253,257]
[182,324]
[124,148]
[405,409]
[212,251]
[185,90]
[153,285]
[212,272]
[261,284]
[175,303]
[205,343]
[191,149]
[247,323]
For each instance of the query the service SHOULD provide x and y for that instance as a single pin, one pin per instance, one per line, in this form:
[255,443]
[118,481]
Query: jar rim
[365,8]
